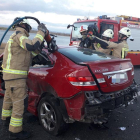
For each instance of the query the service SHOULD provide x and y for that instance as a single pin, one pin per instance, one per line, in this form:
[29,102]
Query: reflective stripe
[15,71]
[39,36]
[10,41]
[98,46]
[34,54]
[123,51]
[21,40]
[6,113]
[16,122]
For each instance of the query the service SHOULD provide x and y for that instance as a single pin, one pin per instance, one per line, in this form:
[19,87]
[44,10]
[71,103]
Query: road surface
[127,119]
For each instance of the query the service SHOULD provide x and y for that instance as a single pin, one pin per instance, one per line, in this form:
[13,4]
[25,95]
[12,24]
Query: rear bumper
[95,107]
[112,100]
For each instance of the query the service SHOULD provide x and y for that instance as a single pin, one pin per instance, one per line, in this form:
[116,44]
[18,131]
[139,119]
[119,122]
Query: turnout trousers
[13,104]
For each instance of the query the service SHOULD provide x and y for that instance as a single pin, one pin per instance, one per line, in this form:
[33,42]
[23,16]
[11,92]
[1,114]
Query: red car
[77,84]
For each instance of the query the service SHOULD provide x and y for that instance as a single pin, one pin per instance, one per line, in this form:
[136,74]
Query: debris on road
[122,128]
[77,139]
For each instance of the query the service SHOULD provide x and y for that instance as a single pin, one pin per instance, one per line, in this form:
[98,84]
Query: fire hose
[47,38]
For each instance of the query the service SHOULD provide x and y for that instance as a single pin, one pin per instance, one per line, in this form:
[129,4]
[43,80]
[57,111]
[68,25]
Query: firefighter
[16,61]
[120,48]
[107,35]
[83,32]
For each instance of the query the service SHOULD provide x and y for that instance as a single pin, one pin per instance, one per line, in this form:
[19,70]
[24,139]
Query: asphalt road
[127,118]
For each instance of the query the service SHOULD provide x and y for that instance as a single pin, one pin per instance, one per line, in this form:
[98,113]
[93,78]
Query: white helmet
[26,22]
[125,31]
[83,28]
[108,33]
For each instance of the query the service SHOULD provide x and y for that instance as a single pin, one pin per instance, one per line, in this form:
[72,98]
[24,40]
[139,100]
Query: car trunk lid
[117,73]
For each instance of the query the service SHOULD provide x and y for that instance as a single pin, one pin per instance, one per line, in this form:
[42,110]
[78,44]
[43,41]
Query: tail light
[101,80]
[87,83]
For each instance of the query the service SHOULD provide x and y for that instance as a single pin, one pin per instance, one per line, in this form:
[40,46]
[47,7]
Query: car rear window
[83,54]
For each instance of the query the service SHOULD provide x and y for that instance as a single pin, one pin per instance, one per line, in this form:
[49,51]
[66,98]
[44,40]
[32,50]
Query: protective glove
[90,33]
[42,27]
[91,37]
[98,46]
[52,47]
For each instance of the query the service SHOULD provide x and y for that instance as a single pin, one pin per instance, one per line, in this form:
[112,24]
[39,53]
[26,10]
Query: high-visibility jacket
[120,49]
[18,53]
[98,47]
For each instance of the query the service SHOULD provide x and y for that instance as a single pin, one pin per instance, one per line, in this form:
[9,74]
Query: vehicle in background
[114,23]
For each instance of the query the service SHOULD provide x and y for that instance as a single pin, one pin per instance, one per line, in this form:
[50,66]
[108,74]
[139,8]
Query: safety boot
[21,135]
[5,122]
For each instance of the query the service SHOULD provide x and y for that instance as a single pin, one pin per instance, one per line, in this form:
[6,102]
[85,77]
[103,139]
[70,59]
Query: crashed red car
[77,84]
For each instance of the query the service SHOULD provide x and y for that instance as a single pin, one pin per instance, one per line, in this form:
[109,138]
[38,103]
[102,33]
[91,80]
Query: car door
[37,75]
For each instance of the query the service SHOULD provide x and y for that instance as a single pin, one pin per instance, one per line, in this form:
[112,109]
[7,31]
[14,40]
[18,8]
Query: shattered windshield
[75,31]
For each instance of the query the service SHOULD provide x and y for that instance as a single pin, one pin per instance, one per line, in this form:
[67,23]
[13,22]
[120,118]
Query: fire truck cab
[114,23]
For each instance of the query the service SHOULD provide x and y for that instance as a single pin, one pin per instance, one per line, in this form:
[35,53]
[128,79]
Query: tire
[50,117]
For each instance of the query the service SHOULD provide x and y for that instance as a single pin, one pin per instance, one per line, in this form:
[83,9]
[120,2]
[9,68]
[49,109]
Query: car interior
[41,59]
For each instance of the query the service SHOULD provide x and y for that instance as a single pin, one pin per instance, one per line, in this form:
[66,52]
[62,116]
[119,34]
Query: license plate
[118,78]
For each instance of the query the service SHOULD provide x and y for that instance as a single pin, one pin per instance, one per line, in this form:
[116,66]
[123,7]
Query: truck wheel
[49,116]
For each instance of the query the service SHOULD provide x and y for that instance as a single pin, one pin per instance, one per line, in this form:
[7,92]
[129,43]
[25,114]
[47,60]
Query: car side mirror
[131,38]
[68,26]
[71,26]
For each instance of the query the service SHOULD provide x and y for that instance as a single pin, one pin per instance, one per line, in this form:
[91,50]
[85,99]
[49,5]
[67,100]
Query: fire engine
[114,23]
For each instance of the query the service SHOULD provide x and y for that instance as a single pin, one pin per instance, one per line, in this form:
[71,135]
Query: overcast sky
[57,14]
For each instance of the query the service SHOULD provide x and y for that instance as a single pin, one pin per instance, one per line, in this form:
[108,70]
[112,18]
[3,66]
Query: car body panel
[52,80]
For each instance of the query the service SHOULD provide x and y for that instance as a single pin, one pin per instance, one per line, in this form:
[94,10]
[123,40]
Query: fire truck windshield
[75,31]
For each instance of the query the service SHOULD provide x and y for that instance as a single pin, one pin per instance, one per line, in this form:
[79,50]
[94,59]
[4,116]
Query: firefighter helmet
[93,28]
[108,33]
[83,28]
[25,21]
[125,31]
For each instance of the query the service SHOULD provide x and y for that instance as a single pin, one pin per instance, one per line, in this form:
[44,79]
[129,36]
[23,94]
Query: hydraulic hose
[20,19]
[28,17]
[47,38]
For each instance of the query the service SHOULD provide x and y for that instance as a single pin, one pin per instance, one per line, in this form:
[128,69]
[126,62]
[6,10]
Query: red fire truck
[114,23]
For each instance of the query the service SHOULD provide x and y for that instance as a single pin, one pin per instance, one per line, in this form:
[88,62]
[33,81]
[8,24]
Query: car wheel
[49,116]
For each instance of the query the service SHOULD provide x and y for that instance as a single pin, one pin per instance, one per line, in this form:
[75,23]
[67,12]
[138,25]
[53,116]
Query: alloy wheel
[48,116]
